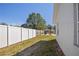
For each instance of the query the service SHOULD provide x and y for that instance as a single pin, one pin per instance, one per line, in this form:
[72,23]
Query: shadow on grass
[42,48]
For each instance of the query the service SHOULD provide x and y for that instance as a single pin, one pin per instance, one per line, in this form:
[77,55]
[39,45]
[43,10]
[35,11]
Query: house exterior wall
[65,25]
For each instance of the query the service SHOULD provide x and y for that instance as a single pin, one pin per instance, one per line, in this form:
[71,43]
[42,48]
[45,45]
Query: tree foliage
[49,27]
[3,23]
[35,21]
[24,25]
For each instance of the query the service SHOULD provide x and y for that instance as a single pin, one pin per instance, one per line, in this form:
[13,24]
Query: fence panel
[14,35]
[30,33]
[38,32]
[3,36]
[10,35]
[25,34]
[34,33]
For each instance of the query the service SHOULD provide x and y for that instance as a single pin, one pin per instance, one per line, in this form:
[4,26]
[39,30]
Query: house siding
[66,29]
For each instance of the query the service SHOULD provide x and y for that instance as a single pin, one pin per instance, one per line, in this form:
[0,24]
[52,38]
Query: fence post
[28,33]
[32,33]
[7,35]
[21,33]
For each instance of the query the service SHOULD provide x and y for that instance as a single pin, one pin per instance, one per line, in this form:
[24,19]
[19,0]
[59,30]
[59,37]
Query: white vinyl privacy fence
[10,35]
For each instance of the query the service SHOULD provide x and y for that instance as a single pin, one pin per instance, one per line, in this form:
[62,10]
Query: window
[76,24]
[57,29]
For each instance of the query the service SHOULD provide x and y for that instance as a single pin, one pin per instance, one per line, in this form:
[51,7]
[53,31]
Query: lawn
[15,48]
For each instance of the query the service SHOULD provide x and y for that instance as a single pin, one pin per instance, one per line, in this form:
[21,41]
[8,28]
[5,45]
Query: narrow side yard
[41,41]
[42,48]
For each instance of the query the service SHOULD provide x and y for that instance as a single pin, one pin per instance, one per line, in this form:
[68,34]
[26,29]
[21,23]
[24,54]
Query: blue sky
[16,14]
